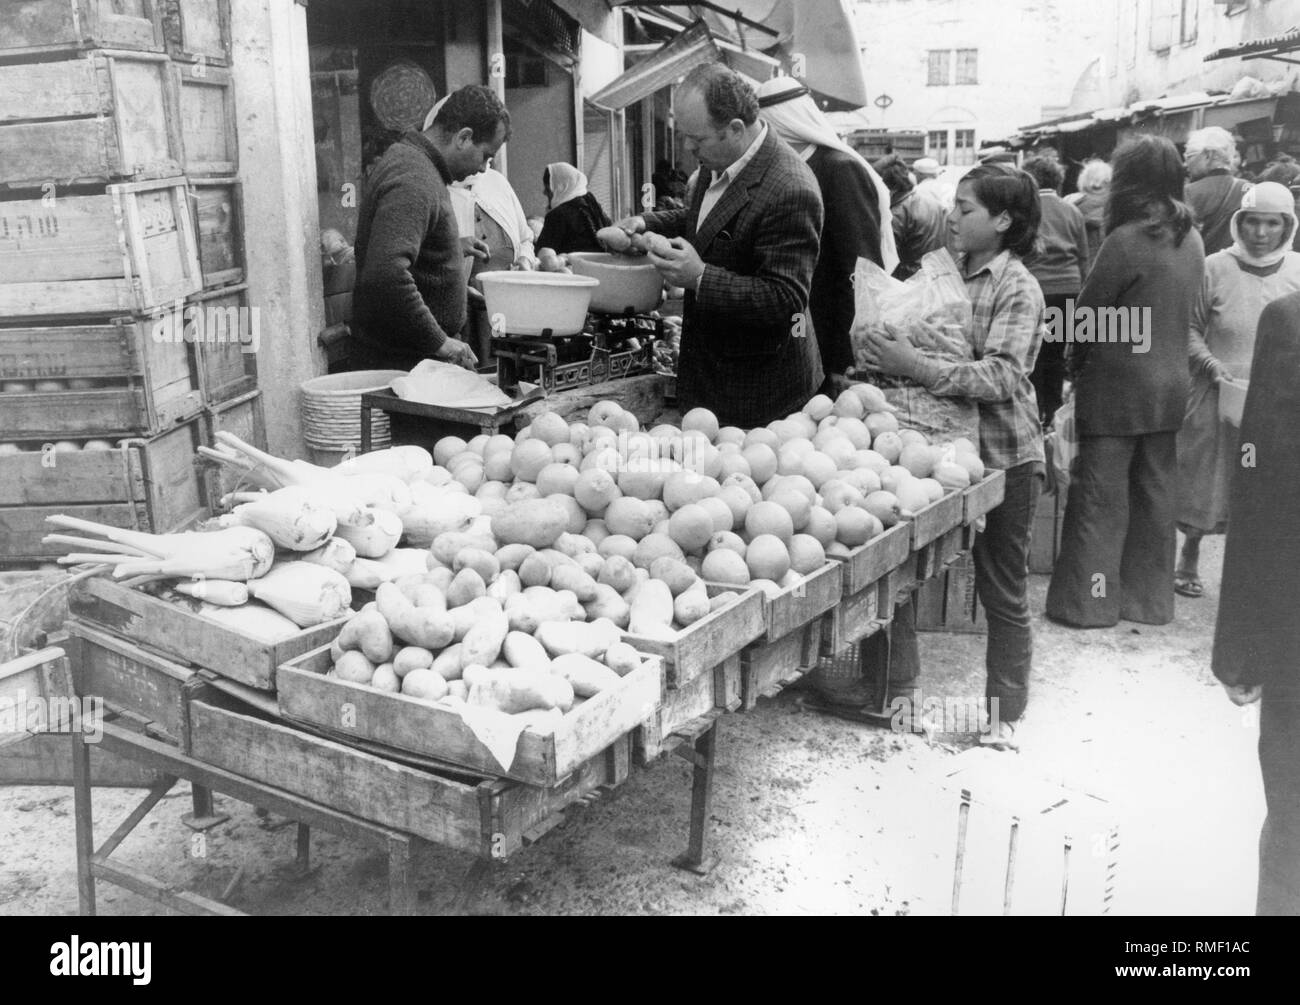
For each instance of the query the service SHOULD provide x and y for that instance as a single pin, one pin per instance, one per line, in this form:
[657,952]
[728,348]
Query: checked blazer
[749,351]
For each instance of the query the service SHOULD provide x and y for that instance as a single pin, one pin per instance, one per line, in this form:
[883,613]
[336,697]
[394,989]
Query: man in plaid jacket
[744,249]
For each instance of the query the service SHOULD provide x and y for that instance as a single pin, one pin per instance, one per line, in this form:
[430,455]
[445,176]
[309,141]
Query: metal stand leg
[204,817]
[701,754]
[83,812]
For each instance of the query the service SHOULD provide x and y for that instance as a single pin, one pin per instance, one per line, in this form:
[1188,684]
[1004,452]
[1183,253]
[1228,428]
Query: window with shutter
[939,68]
[968,66]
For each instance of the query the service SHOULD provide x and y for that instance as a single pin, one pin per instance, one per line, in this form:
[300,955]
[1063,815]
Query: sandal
[1188,585]
[1000,736]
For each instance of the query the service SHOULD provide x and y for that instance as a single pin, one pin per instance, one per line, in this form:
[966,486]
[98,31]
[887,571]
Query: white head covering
[787,107]
[567,183]
[433,114]
[1266,197]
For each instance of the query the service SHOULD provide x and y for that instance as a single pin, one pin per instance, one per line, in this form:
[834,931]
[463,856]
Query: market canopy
[817,37]
[662,69]
[1274,47]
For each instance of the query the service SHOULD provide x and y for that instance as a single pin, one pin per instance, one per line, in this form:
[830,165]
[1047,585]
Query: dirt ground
[810,815]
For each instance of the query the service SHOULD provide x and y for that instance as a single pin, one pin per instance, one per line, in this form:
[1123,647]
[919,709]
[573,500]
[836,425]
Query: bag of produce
[936,296]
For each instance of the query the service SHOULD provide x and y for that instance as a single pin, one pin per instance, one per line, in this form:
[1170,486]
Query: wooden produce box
[985,495]
[46,759]
[943,551]
[711,640]
[198,31]
[492,818]
[866,605]
[218,209]
[949,603]
[937,518]
[225,345]
[712,693]
[1045,534]
[768,667]
[98,118]
[793,608]
[130,250]
[150,485]
[176,630]
[46,27]
[142,384]
[243,417]
[401,723]
[206,99]
[36,678]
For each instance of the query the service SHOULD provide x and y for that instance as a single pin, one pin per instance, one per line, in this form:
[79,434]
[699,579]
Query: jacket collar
[737,194]
[425,145]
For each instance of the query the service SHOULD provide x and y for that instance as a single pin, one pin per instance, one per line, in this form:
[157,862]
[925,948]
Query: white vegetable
[377,539]
[306,594]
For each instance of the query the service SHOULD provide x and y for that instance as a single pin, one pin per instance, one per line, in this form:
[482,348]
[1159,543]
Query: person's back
[920,227]
[1060,261]
[1214,199]
[1149,282]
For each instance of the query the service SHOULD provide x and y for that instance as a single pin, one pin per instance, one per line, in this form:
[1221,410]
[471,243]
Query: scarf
[1266,197]
[567,183]
[787,107]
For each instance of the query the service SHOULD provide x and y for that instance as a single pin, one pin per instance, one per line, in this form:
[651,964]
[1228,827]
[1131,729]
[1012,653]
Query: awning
[594,16]
[1273,47]
[818,36]
[665,67]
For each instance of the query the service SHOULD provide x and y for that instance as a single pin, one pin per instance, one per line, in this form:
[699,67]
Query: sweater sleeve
[1201,359]
[404,212]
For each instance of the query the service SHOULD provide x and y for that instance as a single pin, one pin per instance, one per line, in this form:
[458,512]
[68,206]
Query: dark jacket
[920,225]
[572,226]
[1060,262]
[745,336]
[1257,635]
[851,232]
[410,292]
[1153,282]
[1214,199]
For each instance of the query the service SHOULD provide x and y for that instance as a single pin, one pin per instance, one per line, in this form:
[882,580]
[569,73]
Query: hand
[473,247]
[1243,694]
[455,351]
[890,353]
[632,224]
[682,266]
[525,263]
[1218,372]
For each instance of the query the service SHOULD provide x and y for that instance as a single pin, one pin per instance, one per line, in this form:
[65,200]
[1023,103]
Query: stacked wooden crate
[121,257]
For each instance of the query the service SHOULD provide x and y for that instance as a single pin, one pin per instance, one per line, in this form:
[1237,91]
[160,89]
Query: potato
[622,658]
[368,633]
[609,603]
[511,556]
[441,578]
[411,658]
[446,546]
[354,667]
[618,572]
[587,676]
[386,679]
[424,684]
[505,586]
[722,600]
[572,578]
[691,605]
[538,522]
[449,663]
[429,628]
[591,640]
[535,571]
[457,689]
[428,597]
[574,545]
[464,618]
[616,239]
[468,585]
[514,691]
[483,642]
[676,573]
[591,564]
[525,652]
[482,562]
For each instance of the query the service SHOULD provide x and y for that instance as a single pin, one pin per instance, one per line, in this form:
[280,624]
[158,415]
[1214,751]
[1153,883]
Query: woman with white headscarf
[858,219]
[1240,281]
[574,215]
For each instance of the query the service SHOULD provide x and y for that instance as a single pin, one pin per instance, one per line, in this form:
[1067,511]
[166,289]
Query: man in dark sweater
[410,301]
[1213,191]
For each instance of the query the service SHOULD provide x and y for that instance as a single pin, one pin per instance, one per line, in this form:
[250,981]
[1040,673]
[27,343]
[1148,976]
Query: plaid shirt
[1005,334]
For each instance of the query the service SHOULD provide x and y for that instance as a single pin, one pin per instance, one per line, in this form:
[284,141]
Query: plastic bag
[1062,443]
[936,295]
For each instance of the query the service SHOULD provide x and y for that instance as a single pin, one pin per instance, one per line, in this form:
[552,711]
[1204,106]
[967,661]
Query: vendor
[410,297]
[744,249]
[859,228]
[574,215]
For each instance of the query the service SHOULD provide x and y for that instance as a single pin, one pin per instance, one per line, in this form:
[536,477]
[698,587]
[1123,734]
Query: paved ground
[810,815]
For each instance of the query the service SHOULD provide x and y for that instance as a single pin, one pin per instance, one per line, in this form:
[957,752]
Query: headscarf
[433,114]
[1266,197]
[567,183]
[787,107]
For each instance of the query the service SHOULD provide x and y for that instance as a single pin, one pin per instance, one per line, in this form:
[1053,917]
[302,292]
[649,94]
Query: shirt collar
[423,142]
[733,170]
[995,266]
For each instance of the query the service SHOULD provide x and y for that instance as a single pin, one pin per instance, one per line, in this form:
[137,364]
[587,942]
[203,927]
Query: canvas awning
[1274,47]
[663,68]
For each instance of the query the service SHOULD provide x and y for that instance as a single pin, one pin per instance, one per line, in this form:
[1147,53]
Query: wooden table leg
[401,900]
[701,754]
[85,829]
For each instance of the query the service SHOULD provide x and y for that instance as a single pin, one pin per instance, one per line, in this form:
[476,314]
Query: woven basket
[331,410]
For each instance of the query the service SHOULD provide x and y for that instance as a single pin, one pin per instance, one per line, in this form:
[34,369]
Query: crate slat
[985,495]
[718,690]
[39,27]
[219,212]
[767,667]
[231,337]
[206,98]
[937,518]
[403,723]
[711,640]
[854,618]
[47,479]
[198,30]
[795,606]
[868,563]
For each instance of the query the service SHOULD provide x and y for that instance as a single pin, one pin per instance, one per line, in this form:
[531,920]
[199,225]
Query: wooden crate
[226,337]
[243,417]
[401,723]
[948,603]
[943,551]
[867,603]
[198,31]
[708,694]
[868,563]
[26,685]
[937,518]
[178,631]
[95,119]
[768,667]
[853,619]
[206,100]
[44,27]
[985,495]
[131,249]
[492,818]
[794,607]
[146,384]
[711,640]
[1045,534]
[47,760]
[218,209]
[150,485]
